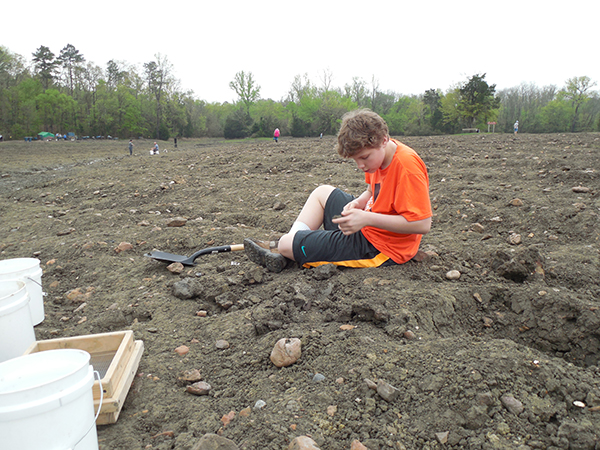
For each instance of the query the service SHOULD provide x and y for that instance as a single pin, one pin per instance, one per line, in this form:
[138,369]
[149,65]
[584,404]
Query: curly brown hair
[360,129]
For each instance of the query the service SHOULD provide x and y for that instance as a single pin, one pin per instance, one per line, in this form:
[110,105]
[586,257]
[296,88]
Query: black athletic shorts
[330,246]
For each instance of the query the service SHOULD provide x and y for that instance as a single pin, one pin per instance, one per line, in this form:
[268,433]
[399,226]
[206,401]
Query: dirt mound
[505,356]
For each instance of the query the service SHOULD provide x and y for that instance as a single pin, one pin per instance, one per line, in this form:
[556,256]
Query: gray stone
[476,417]
[184,289]
[580,436]
[512,404]
[371,384]
[318,377]
[388,392]
[324,272]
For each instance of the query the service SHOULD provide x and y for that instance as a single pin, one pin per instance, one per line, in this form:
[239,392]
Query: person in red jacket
[383,226]
[276,135]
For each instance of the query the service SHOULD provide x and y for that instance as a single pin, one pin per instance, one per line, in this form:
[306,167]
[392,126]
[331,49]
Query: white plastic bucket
[29,271]
[46,402]
[16,328]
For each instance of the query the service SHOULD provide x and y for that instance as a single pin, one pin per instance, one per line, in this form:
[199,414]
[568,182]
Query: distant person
[381,227]
[276,135]
[154,150]
[130,147]
[516,127]
[321,137]
[175,142]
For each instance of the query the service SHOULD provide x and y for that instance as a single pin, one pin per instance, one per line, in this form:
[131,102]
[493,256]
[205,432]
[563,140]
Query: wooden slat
[115,371]
[91,343]
[111,407]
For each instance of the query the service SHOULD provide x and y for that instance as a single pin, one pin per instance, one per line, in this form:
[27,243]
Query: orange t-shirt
[400,189]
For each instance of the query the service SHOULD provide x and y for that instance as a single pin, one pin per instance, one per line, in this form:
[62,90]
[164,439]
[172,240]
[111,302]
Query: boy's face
[370,159]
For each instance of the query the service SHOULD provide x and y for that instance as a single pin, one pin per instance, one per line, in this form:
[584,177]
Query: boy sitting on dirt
[381,227]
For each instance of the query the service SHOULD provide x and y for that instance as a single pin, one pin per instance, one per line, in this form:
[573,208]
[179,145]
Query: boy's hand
[351,220]
[350,205]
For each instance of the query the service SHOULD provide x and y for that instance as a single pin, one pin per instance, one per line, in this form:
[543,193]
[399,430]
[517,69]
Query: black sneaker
[263,254]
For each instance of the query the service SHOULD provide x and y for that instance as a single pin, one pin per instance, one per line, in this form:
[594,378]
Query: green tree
[158,77]
[590,113]
[382,102]
[176,113]
[56,110]
[28,120]
[303,115]
[216,115]
[397,118]
[105,110]
[326,78]
[577,91]
[556,116]
[418,124]
[196,114]
[115,74]
[373,95]
[433,102]
[129,116]
[477,100]
[237,125]
[12,68]
[12,73]
[331,107]
[6,59]
[246,89]
[300,87]
[70,59]
[45,65]
[357,91]
[450,111]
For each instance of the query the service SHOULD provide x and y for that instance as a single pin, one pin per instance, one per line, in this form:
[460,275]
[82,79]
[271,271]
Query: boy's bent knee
[323,192]
[324,188]
[286,246]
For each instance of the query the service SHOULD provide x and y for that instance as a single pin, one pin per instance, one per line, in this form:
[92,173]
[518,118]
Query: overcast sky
[408,46]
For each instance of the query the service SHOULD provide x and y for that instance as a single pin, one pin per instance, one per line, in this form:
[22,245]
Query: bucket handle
[36,282]
[96,374]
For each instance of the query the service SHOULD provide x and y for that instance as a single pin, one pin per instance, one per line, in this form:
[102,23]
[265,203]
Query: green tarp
[45,134]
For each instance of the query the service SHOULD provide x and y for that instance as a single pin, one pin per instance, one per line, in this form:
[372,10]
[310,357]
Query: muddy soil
[506,356]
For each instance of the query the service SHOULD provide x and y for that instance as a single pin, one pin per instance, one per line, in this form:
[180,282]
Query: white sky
[408,46]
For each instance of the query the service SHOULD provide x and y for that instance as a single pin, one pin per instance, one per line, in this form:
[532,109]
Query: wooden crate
[116,357]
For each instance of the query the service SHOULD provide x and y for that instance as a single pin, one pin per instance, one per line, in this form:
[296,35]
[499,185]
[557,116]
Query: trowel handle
[220,249]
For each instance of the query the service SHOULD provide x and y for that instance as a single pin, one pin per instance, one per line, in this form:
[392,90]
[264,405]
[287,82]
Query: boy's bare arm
[355,219]
[398,224]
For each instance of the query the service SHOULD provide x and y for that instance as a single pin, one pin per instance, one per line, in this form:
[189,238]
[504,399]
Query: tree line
[66,93]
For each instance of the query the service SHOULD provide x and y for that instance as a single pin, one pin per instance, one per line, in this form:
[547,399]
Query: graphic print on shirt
[373,198]
[376,193]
